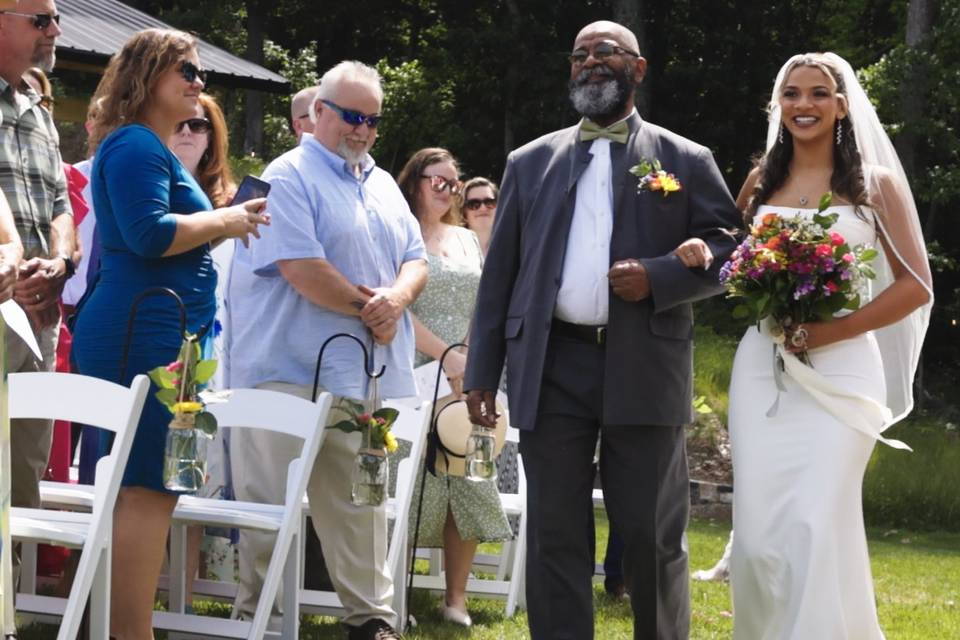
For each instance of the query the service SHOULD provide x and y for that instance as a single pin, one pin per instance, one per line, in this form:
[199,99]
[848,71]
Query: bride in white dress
[799,565]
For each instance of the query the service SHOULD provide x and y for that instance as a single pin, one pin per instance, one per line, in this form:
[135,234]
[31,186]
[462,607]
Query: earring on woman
[839,132]
[780,134]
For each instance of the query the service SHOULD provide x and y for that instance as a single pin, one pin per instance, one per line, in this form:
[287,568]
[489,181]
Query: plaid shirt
[31,172]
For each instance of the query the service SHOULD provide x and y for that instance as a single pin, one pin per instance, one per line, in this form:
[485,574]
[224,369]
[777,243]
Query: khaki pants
[29,439]
[354,539]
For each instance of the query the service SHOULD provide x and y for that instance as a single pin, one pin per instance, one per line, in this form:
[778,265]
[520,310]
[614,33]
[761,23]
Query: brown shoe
[374,629]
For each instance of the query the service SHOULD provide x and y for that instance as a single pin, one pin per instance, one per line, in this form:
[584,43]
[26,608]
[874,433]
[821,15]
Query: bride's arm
[695,252]
[910,289]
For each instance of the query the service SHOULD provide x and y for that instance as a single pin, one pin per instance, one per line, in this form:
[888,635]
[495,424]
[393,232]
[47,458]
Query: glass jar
[480,464]
[371,473]
[185,457]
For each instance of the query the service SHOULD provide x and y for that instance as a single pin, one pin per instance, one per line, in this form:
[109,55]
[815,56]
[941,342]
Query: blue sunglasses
[354,118]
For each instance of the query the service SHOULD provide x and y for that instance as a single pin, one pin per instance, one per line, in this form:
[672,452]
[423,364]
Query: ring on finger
[799,338]
[38,297]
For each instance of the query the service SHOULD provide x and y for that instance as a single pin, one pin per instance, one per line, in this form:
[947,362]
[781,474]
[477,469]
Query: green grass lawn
[917,577]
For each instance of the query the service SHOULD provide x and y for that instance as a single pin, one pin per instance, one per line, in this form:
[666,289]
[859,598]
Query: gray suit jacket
[648,378]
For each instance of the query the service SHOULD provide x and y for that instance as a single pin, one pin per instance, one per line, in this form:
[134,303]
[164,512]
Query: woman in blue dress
[156,226]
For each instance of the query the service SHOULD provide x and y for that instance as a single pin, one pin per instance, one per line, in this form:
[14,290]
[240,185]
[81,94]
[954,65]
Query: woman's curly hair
[128,82]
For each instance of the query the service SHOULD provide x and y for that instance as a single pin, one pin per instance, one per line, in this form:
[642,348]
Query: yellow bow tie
[617,132]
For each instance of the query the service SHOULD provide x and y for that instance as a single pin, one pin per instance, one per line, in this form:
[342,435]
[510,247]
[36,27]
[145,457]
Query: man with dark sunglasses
[584,296]
[343,255]
[33,181]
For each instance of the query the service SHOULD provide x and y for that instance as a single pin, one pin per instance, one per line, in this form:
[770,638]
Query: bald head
[300,111]
[604,29]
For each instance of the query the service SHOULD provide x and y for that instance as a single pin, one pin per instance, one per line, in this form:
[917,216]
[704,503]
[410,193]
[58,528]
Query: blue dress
[137,185]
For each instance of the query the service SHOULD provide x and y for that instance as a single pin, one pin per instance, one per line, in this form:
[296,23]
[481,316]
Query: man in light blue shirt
[343,254]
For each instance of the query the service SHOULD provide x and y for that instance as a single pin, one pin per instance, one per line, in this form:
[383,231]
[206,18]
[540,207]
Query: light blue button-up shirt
[362,227]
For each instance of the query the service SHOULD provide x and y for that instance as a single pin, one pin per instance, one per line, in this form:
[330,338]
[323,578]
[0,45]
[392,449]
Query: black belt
[593,334]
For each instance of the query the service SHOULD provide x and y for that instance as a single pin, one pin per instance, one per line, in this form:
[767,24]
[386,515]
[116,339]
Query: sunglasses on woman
[196,125]
[475,203]
[191,72]
[40,20]
[439,184]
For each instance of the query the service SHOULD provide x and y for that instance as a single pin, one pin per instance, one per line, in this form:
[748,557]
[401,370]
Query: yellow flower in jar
[187,407]
[390,441]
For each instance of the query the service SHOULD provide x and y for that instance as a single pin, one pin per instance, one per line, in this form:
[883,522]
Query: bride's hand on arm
[694,253]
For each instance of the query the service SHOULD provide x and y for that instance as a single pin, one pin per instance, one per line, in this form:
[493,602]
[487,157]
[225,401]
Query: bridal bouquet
[794,270]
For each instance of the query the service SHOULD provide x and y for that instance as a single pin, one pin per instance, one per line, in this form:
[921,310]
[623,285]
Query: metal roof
[94,30]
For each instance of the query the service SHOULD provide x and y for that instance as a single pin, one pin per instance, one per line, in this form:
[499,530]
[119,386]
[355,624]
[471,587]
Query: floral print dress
[445,307]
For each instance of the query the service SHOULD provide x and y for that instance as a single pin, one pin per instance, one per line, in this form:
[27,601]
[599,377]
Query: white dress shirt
[583,297]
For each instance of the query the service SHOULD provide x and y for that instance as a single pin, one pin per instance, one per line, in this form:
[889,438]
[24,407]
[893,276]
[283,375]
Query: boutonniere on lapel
[654,178]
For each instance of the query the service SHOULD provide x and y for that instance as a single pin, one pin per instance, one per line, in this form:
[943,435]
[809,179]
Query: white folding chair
[411,426]
[76,398]
[508,565]
[281,413]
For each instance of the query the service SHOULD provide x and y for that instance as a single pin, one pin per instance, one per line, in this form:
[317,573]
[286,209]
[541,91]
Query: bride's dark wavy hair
[847,180]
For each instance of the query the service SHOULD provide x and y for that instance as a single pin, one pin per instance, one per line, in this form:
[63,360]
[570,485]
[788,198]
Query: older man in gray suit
[587,294]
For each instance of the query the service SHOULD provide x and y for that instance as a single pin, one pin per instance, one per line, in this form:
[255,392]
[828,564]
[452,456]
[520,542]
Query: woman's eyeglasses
[439,184]
[475,203]
[40,20]
[196,125]
[191,72]
[354,118]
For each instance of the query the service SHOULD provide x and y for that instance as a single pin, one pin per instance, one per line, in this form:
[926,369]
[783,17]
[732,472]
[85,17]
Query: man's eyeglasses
[439,184]
[196,125]
[191,72]
[46,101]
[40,20]
[475,203]
[354,118]
[601,53]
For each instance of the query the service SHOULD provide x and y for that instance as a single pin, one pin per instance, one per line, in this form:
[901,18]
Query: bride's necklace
[803,201]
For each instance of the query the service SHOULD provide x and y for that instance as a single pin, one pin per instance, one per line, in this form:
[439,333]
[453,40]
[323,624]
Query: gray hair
[343,71]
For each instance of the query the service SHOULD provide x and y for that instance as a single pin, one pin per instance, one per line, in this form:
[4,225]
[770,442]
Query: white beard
[592,100]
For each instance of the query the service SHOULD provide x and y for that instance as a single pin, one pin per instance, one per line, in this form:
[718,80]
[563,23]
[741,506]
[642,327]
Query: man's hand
[482,406]
[629,280]
[383,310]
[8,278]
[386,337]
[38,289]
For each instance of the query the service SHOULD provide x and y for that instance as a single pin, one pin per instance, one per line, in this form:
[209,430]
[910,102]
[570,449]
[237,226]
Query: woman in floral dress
[457,513]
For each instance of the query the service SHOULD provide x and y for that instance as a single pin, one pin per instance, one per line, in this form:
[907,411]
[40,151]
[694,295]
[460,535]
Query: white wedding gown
[799,569]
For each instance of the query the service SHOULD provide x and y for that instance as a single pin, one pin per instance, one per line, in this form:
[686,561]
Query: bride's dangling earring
[780,134]
[839,132]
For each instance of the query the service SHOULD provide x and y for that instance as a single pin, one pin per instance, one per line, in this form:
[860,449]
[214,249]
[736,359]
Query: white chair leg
[177,581]
[292,579]
[507,550]
[100,598]
[28,567]
[436,562]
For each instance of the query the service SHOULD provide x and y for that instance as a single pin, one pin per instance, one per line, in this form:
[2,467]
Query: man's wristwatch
[71,268]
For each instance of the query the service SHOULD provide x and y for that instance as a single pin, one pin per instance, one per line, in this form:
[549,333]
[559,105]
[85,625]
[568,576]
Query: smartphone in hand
[249,189]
